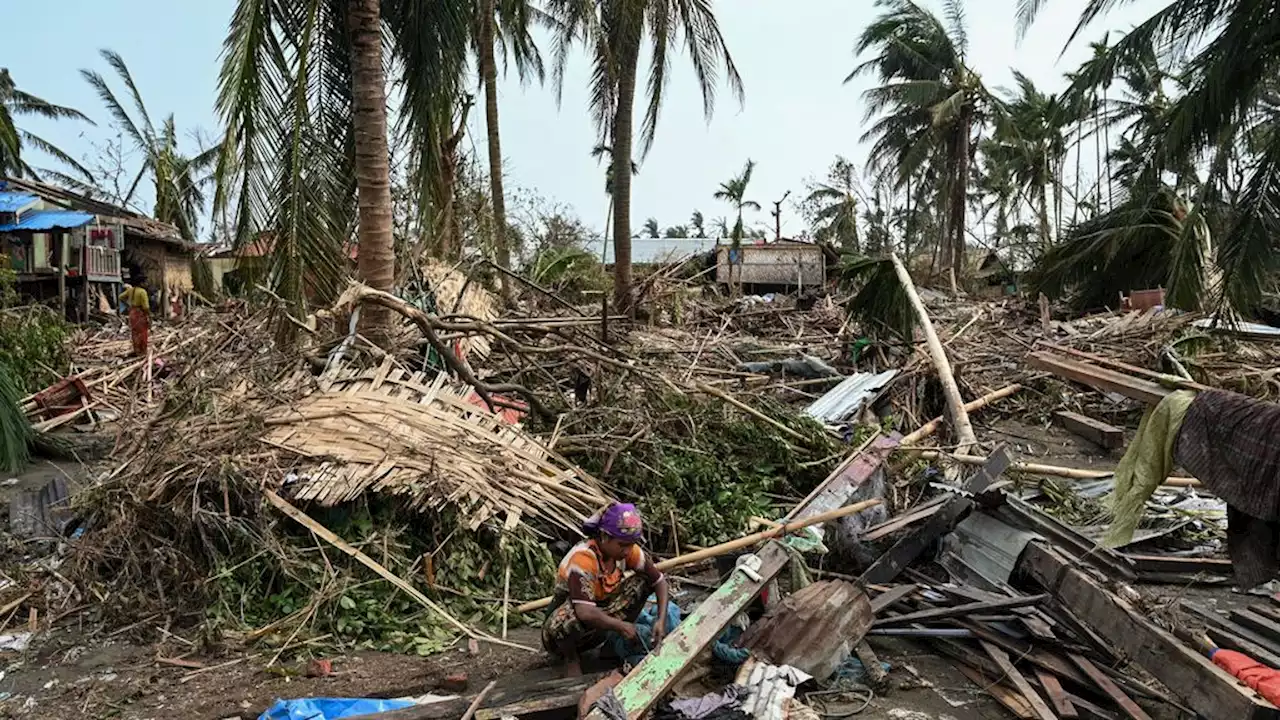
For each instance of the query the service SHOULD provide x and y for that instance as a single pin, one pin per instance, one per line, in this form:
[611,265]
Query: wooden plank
[1257,623]
[1057,695]
[1098,378]
[1238,638]
[1095,431]
[1192,677]
[1112,690]
[912,516]
[1039,657]
[905,551]
[1161,564]
[658,672]
[514,696]
[893,595]
[1037,703]
[960,610]
[1012,701]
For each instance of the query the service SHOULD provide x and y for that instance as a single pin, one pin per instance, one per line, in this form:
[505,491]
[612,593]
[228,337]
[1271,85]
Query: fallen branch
[327,535]
[965,439]
[742,542]
[358,292]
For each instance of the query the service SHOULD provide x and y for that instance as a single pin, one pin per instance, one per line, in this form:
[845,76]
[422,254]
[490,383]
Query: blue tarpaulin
[329,708]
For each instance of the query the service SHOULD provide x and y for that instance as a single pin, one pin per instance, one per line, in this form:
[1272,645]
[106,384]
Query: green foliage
[880,303]
[1146,242]
[15,431]
[712,466]
[569,271]
[15,103]
[328,593]
[32,340]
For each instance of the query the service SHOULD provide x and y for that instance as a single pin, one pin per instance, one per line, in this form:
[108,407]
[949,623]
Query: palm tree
[1030,145]
[930,103]
[507,24]
[16,103]
[698,223]
[734,192]
[614,32]
[837,207]
[651,228]
[179,181]
[302,93]
[1232,52]
[721,226]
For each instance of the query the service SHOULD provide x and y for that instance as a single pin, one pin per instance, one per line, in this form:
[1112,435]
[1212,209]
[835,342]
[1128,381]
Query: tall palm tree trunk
[376,259]
[489,75]
[623,127]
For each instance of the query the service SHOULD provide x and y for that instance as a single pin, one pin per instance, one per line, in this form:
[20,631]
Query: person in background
[595,596]
[135,299]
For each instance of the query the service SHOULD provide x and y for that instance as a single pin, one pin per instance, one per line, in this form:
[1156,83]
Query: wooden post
[965,439]
[61,245]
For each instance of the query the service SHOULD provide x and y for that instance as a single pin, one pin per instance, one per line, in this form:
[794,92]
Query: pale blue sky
[793,57]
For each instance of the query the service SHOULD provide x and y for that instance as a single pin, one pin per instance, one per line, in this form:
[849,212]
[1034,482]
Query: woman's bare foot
[573,669]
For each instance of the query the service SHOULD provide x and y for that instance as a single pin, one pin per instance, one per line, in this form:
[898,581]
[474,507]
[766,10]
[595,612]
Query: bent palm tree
[837,207]
[179,181]
[734,192]
[1232,51]
[302,92]
[698,223]
[930,103]
[16,103]
[614,32]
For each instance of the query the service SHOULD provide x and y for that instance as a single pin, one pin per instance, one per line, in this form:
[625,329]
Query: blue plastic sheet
[329,708]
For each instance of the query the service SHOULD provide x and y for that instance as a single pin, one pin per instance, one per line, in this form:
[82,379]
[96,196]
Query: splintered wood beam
[1095,431]
[660,669]
[1033,698]
[1192,677]
[1098,378]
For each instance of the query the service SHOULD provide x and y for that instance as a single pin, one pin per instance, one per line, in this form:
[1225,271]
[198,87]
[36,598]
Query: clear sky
[793,56]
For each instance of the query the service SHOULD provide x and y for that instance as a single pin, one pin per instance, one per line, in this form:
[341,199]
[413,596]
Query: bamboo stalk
[1052,470]
[742,542]
[965,439]
[931,427]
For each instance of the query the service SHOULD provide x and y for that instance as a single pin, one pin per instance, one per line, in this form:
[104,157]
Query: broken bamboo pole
[1051,470]
[965,439]
[931,427]
[742,542]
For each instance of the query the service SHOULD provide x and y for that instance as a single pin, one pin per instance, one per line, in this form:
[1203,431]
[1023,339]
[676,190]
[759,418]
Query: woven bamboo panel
[394,432]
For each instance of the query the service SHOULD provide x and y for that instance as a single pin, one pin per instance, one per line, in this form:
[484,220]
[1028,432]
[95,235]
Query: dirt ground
[63,677]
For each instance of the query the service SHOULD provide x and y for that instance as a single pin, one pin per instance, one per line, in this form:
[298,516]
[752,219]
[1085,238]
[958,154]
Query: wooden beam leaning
[660,670]
[1099,378]
[1198,683]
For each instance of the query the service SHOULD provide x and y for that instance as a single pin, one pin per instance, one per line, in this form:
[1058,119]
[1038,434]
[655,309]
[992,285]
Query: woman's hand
[659,632]
[628,631]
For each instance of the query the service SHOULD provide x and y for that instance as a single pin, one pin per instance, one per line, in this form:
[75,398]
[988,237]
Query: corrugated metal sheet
[845,400]
[814,629]
[42,220]
[16,202]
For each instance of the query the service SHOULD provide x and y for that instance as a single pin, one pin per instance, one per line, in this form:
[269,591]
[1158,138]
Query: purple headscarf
[620,521]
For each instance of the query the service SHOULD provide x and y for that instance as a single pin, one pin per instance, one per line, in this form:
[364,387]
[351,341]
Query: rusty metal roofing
[813,629]
[845,400]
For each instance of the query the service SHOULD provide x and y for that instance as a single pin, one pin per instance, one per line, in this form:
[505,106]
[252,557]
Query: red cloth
[139,330]
[1253,673]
